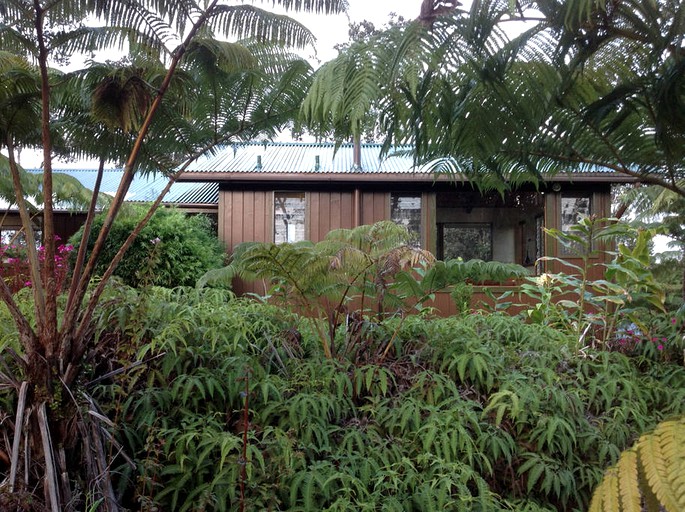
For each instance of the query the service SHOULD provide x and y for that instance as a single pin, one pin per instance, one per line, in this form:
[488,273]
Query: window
[405,210]
[465,241]
[289,217]
[572,210]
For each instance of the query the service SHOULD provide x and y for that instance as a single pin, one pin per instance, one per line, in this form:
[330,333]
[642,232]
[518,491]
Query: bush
[174,249]
[475,413]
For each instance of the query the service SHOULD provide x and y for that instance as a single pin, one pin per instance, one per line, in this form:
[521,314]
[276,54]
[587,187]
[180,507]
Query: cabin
[291,191]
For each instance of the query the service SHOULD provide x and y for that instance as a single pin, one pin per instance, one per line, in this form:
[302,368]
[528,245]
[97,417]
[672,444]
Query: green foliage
[174,249]
[477,412]
[593,309]
[510,106]
[355,275]
[350,273]
[458,276]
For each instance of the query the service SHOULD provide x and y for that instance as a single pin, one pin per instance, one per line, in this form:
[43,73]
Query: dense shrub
[174,249]
[238,406]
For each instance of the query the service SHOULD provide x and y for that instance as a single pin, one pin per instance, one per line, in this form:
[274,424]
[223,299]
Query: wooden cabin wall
[245,216]
[600,198]
[328,211]
[375,207]
[66,224]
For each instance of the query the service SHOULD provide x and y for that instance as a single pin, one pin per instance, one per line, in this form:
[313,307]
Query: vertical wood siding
[245,216]
[328,211]
[375,207]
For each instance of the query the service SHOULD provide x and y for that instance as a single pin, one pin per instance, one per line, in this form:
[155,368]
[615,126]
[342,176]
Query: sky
[332,30]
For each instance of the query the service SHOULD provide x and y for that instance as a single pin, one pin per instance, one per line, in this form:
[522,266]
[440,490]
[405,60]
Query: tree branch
[127,177]
[32,254]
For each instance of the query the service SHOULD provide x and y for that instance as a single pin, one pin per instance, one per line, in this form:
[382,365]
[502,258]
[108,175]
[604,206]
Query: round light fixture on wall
[556,187]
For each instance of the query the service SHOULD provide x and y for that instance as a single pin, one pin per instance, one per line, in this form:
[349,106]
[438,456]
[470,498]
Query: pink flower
[27,284]
[673,320]
[664,339]
[660,347]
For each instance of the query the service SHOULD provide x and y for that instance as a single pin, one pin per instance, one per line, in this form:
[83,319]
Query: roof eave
[405,177]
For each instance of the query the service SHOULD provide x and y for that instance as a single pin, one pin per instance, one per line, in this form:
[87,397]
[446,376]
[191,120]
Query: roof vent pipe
[317,163]
[357,152]
[259,163]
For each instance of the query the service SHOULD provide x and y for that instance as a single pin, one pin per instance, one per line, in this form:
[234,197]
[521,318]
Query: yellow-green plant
[649,476]
[590,308]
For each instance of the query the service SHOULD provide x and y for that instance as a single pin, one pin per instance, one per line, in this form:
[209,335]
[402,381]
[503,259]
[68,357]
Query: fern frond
[243,21]
[660,454]
[648,475]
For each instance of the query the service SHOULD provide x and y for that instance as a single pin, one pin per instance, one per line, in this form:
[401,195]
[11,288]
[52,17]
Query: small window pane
[405,209]
[573,209]
[466,241]
[289,216]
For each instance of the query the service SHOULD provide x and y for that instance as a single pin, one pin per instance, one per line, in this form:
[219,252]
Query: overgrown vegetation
[238,406]
[173,249]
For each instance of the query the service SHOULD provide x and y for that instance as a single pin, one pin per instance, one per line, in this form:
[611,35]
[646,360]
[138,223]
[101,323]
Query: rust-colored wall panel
[245,217]
[248,215]
[258,216]
[346,211]
[375,207]
[324,215]
[315,221]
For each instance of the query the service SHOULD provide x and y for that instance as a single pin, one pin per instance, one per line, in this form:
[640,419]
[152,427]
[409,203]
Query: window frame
[419,239]
[572,218]
[289,194]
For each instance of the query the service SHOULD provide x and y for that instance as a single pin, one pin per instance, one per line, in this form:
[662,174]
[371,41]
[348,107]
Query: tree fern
[651,473]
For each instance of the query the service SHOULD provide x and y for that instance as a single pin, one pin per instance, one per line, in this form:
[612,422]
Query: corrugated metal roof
[322,158]
[146,187]
[300,157]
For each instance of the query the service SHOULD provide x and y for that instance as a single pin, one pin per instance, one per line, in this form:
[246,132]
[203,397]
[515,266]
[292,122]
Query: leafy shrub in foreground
[174,249]
[475,413]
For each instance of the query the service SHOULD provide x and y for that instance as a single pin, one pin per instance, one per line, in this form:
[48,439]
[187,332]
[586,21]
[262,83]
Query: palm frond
[244,21]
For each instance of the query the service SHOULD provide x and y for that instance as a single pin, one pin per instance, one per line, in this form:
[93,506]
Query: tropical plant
[340,279]
[142,110]
[649,475]
[458,277]
[498,105]
[594,309]
[661,209]
[236,408]
[14,267]
[174,249]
